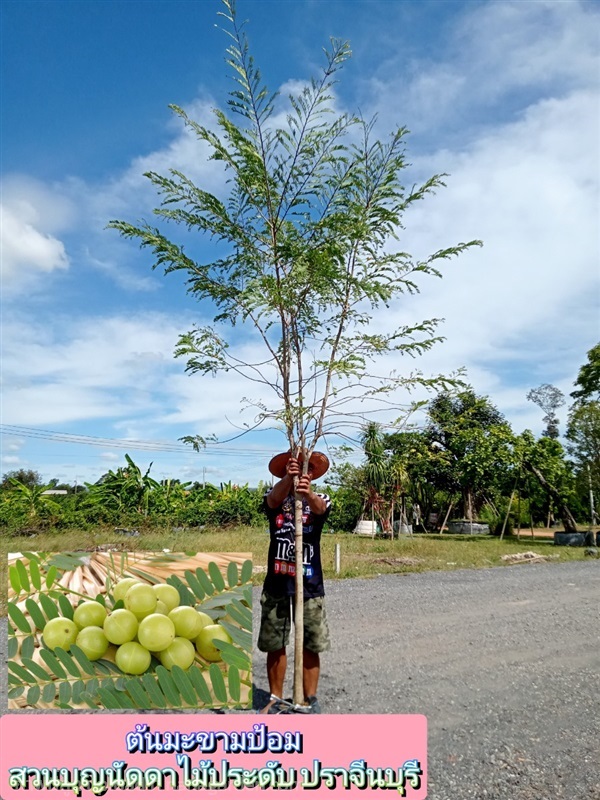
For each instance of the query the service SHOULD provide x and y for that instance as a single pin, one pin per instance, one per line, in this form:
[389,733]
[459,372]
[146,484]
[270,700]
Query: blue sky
[503,96]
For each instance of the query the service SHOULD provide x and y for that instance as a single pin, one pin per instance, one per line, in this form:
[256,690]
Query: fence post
[337,558]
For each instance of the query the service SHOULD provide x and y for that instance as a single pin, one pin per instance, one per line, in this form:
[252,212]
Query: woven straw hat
[318,464]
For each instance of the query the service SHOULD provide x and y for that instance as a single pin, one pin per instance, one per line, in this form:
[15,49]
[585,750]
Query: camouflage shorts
[275,624]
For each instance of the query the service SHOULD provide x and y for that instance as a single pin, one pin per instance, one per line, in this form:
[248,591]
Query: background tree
[168,498]
[549,399]
[552,486]
[385,478]
[544,460]
[588,379]
[474,442]
[306,235]
[346,486]
[583,445]
[374,468]
[26,477]
[431,482]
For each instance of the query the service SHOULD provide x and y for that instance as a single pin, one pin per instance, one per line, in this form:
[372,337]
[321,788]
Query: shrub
[346,508]
[231,505]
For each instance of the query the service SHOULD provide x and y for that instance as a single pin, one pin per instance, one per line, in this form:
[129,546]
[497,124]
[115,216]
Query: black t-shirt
[281,561]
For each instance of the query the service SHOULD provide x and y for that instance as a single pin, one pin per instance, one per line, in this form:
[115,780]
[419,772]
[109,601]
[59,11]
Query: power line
[134,444]
[131,444]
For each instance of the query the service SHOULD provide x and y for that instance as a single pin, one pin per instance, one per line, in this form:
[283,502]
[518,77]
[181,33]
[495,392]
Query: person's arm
[285,486]
[317,504]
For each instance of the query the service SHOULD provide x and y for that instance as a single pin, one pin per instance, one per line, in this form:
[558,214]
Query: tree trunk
[507,514]
[446,518]
[468,504]
[567,518]
[298,692]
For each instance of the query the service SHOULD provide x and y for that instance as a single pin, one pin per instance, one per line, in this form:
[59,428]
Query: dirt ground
[538,533]
[504,663]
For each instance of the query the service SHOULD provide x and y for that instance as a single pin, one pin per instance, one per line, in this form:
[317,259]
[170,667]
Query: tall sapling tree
[306,227]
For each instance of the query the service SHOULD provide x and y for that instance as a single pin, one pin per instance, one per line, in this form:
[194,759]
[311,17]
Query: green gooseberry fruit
[90,612]
[121,588]
[181,653]
[156,632]
[120,626]
[141,600]
[204,641]
[92,640]
[167,594]
[132,658]
[161,608]
[205,619]
[60,632]
[187,621]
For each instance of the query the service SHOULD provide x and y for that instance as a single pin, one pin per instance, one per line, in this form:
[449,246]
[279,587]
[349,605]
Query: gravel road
[505,664]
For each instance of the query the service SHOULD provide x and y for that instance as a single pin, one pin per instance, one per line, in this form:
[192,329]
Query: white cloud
[516,44]
[530,192]
[11,460]
[120,373]
[39,203]
[521,188]
[26,249]
[111,456]
[123,275]
[509,109]
[521,88]
[85,368]
[130,194]
[13,446]
[32,216]
[497,57]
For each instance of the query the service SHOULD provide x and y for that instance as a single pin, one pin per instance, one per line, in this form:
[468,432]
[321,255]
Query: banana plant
[30,499]
[127,489]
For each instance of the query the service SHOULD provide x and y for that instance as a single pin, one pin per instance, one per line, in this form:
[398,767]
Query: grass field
[359,556]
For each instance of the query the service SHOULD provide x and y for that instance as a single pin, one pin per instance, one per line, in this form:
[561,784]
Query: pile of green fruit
[150,621]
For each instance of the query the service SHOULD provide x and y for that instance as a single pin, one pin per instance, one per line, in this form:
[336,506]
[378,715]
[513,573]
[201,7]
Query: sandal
[313,705]
[276,706]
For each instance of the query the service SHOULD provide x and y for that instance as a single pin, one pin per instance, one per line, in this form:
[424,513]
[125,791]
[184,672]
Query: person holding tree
[279,587]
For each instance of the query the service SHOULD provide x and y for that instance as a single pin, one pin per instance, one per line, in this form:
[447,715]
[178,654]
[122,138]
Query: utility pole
[592,508]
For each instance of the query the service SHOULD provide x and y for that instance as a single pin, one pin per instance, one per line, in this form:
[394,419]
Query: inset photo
[129,631]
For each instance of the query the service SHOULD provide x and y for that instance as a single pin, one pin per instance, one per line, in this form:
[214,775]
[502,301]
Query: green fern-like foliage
[41,678]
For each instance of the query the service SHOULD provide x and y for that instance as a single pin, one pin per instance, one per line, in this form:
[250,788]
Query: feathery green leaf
[233,682]
[197,680]
[27,647]
[167,684]
[34,611]
[18,618]
[184,685]
[232,574]
[218,683]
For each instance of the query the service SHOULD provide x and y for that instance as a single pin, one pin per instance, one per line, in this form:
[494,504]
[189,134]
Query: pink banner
[143,755]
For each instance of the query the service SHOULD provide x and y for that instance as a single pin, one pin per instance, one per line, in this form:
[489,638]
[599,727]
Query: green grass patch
[364,557]
[361,557]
